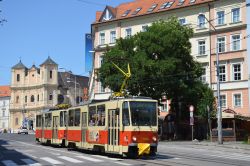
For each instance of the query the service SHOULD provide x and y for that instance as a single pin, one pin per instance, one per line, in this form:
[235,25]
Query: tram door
[43,127]
[55,128]
[84,126]
[113,130]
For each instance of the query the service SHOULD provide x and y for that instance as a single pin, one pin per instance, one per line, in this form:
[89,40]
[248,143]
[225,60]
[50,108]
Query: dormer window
[181,2]
[126,13]
[152,7]
[137,11]
[107,16]
[166,5]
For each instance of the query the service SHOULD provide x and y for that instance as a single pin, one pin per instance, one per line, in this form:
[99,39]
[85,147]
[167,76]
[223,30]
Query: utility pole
[219,113]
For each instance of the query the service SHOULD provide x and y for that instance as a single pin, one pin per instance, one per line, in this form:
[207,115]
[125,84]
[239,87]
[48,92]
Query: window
[74,117]
[50,96]
[182,21]
[222,73]
[235,15]
[16,121]
[92,116]
[50,74]
[107,16]
[152,7]
[221,44]
[77,117]
[38,120]
[101,115]
[237,100]
[18,77]
[201,47]
[126,13]
[181,2]
[102,38]
[4,103]
[128,32]
[102,88]
[112,36]
[3,113]
[192,1]
[3,124]
[32,98]
[25,99]
[235,43]
[137,11]
[144,28]
[236,72]
[223,101]
[220,18]
[48,120]
[169,4]
[37,97]
[17,99]
[125,114]
[166,5]
[63,118]
[201,21]
[203,76]
[101,60]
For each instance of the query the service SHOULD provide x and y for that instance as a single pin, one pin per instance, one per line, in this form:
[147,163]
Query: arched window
[32,98]
[201,21]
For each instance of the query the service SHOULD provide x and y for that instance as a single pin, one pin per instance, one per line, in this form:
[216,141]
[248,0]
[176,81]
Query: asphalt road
[22,150]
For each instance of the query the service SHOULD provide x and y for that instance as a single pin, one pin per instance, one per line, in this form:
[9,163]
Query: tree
[160,63]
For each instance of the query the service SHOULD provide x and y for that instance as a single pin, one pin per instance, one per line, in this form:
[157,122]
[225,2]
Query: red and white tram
[126,126]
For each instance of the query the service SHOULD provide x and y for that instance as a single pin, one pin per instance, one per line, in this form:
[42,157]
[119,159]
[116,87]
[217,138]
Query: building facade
[215,22]
[37,89]
[4,107]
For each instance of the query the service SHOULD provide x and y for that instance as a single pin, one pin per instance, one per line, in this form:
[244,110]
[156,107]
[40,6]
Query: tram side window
[92,115]
[100,115]
[77,117]
[63,119]
[125,114]
[38,120]
[71,117]
[48,120]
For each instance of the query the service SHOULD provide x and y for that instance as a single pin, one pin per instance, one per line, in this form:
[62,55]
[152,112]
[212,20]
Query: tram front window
[143,113]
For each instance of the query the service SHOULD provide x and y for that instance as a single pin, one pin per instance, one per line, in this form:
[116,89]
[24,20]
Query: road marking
[105,157]
[27,154]
[31,162]
[50,160]
[9,163]
[70,159]
[90,158]
[122,163]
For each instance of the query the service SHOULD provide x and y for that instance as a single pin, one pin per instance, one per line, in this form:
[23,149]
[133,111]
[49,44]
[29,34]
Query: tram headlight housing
[154,138]
[134,139]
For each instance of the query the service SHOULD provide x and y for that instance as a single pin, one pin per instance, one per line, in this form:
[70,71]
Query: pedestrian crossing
[61,160]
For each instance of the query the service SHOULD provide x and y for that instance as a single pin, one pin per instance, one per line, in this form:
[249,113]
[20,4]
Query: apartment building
[4,107]
[221,22]
[36,89]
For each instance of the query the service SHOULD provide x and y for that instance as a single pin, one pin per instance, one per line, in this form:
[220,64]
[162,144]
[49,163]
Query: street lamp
[219,113]
[68,81]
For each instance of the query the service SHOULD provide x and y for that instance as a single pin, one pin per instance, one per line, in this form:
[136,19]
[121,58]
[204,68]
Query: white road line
[90,158]
[122,163]
[9,163]
[50,160]
[105,157]
[31,162]
[70,159]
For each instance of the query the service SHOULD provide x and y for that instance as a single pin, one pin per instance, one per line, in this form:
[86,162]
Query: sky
[36,29]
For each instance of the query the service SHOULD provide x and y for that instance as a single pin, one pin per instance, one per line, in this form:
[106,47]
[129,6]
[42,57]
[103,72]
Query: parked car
[23,130]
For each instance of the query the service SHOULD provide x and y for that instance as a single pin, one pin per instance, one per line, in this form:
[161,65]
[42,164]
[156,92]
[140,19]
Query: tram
[125,126]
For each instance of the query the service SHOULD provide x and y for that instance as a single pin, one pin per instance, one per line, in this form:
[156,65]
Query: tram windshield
[143,113]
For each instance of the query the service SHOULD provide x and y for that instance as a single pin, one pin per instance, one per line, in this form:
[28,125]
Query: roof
[48,61]
[4,91]
[20,65]
[145,5]
[64,77]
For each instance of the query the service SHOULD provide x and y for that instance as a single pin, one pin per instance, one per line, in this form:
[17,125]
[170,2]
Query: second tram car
[126,126]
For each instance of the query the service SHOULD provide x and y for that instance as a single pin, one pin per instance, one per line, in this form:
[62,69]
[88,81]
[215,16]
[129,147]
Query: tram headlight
[154,138]
[134,138]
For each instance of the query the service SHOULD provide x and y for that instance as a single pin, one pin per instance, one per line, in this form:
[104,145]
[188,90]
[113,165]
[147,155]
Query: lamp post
[219,112]
[75,82]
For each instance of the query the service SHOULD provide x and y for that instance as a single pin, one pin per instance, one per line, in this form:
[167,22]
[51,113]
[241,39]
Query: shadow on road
[9,155]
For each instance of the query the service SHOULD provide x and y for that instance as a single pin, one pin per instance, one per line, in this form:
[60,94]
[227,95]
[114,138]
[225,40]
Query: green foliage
[160,62]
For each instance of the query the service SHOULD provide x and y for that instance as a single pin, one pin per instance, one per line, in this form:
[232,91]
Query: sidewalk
[230,145]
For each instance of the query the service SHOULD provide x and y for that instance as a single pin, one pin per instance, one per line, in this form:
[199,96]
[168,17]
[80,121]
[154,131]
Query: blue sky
[37,29]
